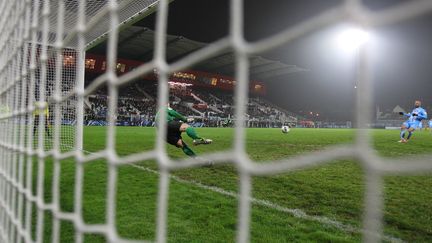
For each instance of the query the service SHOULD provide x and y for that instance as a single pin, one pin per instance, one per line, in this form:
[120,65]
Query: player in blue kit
[413,122]
[430,125]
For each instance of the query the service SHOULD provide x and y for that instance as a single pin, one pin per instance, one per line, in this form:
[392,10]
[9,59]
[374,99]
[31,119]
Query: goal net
[42,53]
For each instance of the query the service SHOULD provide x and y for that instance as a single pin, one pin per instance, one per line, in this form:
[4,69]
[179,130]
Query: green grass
[334,190]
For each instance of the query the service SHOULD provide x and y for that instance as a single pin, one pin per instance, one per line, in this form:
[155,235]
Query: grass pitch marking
[298,213]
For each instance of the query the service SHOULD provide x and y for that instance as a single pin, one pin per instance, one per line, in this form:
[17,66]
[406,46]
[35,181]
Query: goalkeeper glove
[401,113]
[190,120]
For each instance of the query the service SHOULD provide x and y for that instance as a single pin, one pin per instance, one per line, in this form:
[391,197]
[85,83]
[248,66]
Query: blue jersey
[417,115]
[430,123]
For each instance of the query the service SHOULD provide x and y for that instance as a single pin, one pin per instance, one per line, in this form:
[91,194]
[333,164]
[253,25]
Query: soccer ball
[285,129]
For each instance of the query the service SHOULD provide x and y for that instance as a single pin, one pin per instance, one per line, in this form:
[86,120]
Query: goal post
[63,44]
[42,70]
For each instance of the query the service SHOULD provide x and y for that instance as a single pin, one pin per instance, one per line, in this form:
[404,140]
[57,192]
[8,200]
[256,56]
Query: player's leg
[35,125]
[173,137]
[410,132]
[186,149]
[402,133]
[191,132]
[47,128]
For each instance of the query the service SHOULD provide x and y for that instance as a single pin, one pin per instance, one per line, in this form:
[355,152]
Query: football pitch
[318,204]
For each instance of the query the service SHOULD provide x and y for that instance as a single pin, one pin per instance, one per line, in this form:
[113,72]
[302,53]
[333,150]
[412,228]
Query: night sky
[401,54]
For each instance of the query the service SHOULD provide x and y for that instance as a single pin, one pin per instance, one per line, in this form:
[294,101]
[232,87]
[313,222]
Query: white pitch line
[298,213]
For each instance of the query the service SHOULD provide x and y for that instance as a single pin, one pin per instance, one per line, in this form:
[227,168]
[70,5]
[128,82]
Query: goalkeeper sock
[190,131]
[402,134]
[409,135]
[188,151]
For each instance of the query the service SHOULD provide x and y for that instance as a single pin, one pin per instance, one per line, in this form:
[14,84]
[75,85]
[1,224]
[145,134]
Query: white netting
[96,12]
[44,80]
[26,65]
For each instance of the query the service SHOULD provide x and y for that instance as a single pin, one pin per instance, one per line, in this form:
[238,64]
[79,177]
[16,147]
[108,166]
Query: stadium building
[204,92]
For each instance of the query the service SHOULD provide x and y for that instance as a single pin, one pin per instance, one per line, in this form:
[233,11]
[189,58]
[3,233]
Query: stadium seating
[211,107]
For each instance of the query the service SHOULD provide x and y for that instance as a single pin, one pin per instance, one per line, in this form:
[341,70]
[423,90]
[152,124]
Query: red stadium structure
[96,64]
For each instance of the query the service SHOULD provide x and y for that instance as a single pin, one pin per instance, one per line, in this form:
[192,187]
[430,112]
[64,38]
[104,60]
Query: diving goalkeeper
[177,124]
[414,119]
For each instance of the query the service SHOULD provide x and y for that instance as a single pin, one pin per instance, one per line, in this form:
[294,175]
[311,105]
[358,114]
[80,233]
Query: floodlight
[352,38]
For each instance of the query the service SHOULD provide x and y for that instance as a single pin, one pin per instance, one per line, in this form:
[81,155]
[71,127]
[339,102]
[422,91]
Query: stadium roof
[96,17]
[137,43]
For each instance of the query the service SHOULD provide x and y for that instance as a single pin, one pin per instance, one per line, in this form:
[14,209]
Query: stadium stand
[205,96]
[209,107]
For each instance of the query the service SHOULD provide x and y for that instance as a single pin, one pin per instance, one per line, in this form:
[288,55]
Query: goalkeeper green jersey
[172,115]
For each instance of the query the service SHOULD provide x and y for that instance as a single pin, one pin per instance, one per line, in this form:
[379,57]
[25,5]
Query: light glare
[351,39]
